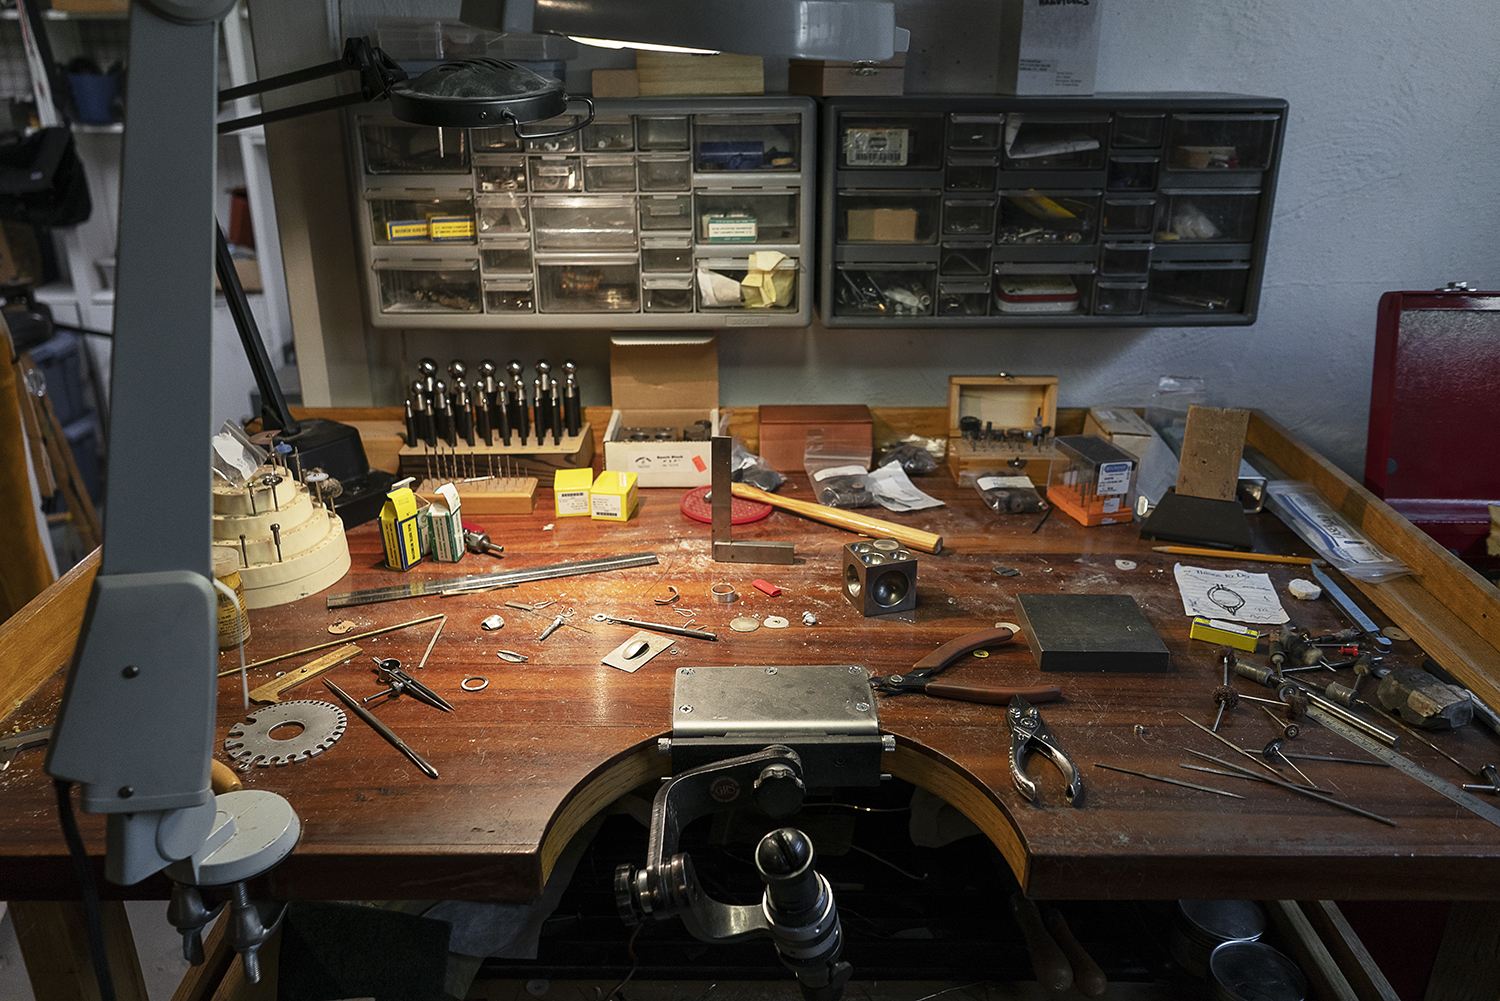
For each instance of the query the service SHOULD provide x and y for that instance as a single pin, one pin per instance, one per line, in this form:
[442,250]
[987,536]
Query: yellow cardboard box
[614,497]
[398,527]
[570,492]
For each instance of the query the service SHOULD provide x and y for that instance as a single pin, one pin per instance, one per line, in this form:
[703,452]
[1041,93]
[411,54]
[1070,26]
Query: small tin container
[1202,925]
[1253,971]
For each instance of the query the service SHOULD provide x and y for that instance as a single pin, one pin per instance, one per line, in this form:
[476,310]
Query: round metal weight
[1202,925]
[744,624]
[1253,971]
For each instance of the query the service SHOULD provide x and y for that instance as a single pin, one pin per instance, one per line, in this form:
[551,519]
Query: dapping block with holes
[880,576]
[1090,632]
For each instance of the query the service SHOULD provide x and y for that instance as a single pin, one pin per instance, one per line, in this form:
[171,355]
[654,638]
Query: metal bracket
[725,549]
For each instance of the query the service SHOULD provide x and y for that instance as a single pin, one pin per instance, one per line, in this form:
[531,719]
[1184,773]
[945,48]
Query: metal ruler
[499,578]
[1356,615]
[1468,801]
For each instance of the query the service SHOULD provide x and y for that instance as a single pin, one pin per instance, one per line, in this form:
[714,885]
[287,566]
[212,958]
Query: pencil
[1230,554]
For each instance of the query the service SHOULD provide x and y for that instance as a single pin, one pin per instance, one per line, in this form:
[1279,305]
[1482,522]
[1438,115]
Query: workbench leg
[1468,962]
[54,942]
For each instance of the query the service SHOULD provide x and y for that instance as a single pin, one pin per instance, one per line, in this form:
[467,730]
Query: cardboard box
[614,497]
[570,492]
[1002,402]
[823,78]
[661,380]
[677,73]
[20,255]
[883,225]
[445,519]
[1048,47]
[398,528]
[783,432]
[1121,427]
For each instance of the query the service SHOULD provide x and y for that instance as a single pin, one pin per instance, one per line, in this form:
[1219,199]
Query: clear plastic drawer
[500,215]
[735,283]
[554,144]
[506,255]
[728,143]
[499,173]
[666,253]
[661,132]
[509,295]
[667,293]
[664,172]
[409,217]
[766,215]
[427,285]
[885,290]
[1043,288]
[971,173]
[1209,216]
[556,173]
[587,222]
[1124,216]
[887,216]
[974,131]
[603,283]
[963,298]
[1045,142]
[669,212]
[1132,258]
[890,141]
[609,172]
[1221,142]
[964,259]
[609,133]
[968,216]
[1114,297]
[1197,287]
[1048,217]
[1138,130]
[392,147]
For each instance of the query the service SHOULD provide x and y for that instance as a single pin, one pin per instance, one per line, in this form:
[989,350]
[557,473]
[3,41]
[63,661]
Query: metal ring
[600,617]
[725,596]
[668,601]
[483,684]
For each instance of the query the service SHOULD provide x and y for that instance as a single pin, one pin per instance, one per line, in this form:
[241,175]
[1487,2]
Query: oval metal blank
[635,649]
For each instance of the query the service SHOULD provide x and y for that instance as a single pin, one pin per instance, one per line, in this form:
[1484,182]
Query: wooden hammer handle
[915,538]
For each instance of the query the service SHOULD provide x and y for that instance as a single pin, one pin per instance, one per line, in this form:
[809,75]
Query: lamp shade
[478,92]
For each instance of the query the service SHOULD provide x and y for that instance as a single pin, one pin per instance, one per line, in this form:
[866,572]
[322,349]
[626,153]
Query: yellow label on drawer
[451,227]
[406,229]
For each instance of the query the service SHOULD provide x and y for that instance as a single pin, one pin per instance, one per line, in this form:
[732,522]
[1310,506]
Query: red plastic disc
[741,511]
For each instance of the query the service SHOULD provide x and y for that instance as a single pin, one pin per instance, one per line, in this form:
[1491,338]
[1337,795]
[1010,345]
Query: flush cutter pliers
[920,677]
[1028,732]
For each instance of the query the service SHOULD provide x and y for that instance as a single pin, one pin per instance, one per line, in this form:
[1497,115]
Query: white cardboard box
[662,380]
[1048,47]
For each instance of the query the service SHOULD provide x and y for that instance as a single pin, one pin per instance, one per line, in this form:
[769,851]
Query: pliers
[920,677]
[1028,732]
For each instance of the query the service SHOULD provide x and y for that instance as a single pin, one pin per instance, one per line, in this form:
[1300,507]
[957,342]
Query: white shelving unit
[84,296]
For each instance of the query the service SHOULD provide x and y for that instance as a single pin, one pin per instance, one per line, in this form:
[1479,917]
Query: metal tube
[662,627]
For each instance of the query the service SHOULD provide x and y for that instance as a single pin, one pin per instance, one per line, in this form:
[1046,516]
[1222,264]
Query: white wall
[1389,180]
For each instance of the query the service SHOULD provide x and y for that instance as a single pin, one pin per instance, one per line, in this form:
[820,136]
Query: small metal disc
[744,624]
[1395,633]
[340,627]
[776,622]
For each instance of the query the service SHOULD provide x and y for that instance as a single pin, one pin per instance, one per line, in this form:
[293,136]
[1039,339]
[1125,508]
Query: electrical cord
[87,885]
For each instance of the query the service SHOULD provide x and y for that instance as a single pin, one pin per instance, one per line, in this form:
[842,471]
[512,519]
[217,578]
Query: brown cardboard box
[676,73]
[783,431]
[661,381]
[883,225]
[20,256]
[822,78]
[1120,426]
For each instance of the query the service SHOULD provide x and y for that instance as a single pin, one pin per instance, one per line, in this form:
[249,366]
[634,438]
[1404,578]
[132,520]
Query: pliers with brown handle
[920,677]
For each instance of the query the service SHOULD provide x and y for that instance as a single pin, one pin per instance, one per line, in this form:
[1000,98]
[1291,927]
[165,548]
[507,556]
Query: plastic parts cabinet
[1123,209]
[661,214]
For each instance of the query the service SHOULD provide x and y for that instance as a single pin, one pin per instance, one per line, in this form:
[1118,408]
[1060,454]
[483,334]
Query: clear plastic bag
[1335,538]
[1007,493]
[917,455]
[747,467]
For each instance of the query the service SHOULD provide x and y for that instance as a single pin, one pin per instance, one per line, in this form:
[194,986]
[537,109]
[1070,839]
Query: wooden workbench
[530,759]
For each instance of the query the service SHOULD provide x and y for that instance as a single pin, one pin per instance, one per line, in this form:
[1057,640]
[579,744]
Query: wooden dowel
[1229,554]
[915,538]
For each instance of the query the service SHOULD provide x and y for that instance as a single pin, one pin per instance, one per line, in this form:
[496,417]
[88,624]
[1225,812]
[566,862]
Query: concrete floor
[156,942]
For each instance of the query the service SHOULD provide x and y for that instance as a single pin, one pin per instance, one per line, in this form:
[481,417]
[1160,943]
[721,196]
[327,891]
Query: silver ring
[725,596]
[600,617]
[483,684]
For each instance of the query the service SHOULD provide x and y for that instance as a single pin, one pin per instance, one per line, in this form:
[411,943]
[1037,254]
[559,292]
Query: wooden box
[823,78]
[783,431]
[659,73]
[1002,403]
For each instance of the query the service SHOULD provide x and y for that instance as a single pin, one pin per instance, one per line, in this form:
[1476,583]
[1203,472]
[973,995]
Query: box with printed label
[446,521]
[570,492]
[1094,481]
[398,528]
[614,497]
[1226,633]
[665,390]
[1120,426]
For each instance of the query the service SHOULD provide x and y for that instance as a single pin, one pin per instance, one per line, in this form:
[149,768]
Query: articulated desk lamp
[136,724]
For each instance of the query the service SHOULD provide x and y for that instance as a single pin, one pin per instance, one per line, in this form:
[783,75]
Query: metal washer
[744,624]
[250,743]
[776,622]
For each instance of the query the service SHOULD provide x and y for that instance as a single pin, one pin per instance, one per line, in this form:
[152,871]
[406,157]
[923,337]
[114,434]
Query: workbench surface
[527,761]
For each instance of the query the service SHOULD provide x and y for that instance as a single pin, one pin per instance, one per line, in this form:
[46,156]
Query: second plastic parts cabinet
[1122,209]
[662,213]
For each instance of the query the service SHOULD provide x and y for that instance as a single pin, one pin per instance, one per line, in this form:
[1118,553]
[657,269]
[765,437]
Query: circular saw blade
[251,743]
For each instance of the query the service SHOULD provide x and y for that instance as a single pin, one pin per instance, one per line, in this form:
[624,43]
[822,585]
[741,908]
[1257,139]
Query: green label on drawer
[729,229]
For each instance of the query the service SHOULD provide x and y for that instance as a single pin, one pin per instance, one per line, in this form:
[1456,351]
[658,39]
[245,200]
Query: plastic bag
[1007,493]
[747,467]
[1336,539]
[917,455]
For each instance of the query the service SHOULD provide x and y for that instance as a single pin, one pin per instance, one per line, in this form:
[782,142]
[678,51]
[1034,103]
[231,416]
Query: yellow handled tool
[914,538]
